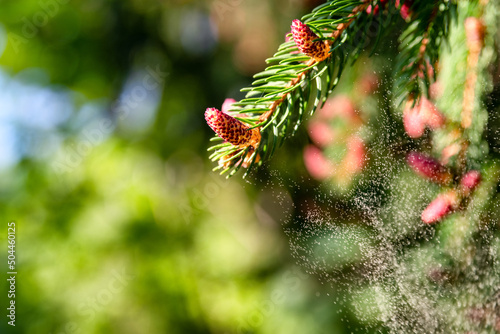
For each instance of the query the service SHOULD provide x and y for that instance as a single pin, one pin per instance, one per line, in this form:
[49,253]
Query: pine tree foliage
[294,85]
[419,48]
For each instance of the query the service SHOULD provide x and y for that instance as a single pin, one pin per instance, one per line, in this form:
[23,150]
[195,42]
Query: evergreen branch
[281,94]
[303,72]
[419,46]
[295,80]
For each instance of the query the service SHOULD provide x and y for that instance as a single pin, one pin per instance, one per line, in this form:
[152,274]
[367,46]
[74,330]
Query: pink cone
[428,168]
[423,114]
[317,164]
[371,9]
[405,9]
[375,9]
[230,129]
[356,155]
[440,207]
[430,114]
[470,181]
[305,39]
[413,122]
[228,103]
[320,133]
[339,105]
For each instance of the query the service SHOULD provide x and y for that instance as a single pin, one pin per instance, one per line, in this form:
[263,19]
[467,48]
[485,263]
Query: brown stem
[474,29]
[469,93]
[276,103]
[343,26]
[475,35]
[423,46]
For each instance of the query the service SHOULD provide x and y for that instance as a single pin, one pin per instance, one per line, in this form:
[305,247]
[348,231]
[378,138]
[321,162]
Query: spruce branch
[301,75]
[419,46]
[306,69]
[462,132]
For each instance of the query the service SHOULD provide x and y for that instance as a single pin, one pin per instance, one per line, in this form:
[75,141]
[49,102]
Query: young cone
[413,121]
[430,114]
[230,129]
[429,168]
[405,8]
[317,164]
[470,181]
[440,207]
[374,8]
[417,117]
[228,103]
[304,39]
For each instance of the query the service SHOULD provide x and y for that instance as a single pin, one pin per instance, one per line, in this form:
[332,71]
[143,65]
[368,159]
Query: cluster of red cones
[449,200]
